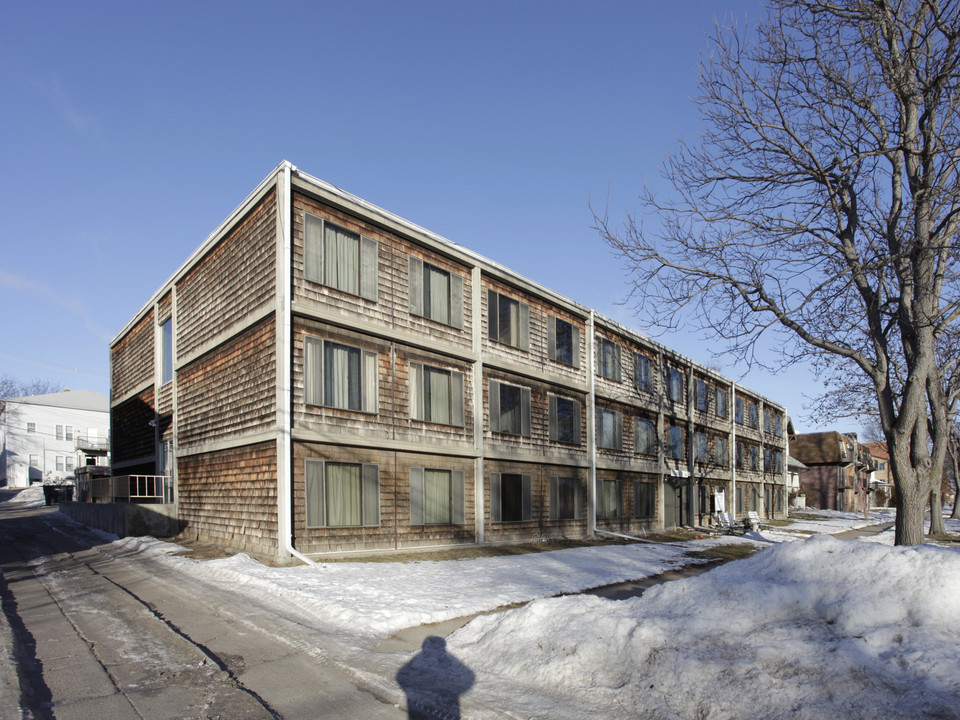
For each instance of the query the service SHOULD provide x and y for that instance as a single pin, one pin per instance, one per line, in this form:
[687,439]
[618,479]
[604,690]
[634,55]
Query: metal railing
[145,489]
[95,444]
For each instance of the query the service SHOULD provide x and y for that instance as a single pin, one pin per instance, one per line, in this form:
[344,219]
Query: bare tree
[822,203]
[11,387]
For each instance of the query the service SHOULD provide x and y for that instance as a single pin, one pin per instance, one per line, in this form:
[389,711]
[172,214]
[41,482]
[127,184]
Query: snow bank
[28,497]
[382,598]
[812,629]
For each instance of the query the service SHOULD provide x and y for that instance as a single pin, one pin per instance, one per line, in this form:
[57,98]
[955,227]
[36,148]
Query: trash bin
[49,492]
[67,493]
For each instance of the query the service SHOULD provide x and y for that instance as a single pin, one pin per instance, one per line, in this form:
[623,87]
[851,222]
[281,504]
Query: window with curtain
[511,497]
[436,496]
[675,384]
[69,435]
[564,419]
[700,395]
[166,350]
[509,409]
[340,376]
[508,320]
[721,403]
[564,498]
[645,437]
[675,442]
[436,395]
[435,293]
[608,498]
[70,464]
[563,341]
[609,429]
[608,364]
[700,446]
[59,432]
[644,495]
[720,451]
[642,374]
[338,258]
[59,463]
[341,494]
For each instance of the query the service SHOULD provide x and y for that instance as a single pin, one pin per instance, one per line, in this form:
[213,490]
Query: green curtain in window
[436,491]
[509,321]
[438,395]
[341,259]
[342,376]
[436,287]
[314,491]
[343,495]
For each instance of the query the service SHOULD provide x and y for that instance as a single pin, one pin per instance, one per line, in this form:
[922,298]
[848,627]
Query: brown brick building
[324,376]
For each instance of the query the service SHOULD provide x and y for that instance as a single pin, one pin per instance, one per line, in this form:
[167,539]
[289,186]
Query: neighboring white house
[45,437]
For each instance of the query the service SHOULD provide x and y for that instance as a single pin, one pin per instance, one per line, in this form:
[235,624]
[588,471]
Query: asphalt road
[90,631]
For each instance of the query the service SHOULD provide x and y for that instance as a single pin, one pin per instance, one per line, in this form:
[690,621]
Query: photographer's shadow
[433,681]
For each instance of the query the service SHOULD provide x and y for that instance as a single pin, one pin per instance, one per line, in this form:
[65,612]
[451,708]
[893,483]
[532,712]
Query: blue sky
[132,129]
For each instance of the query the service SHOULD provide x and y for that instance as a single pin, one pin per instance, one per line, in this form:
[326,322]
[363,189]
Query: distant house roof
[73,399]
[878,450]
[822,448]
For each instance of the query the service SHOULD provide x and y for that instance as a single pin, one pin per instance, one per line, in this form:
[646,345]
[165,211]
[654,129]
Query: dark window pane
[564,341]
[510,410]
[511,498]
[565,420]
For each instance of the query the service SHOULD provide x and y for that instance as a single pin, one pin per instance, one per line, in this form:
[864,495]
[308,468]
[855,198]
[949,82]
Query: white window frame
[495,321]
[420,389]
[496,497]
[608,359]
[496,389]
[554,402]
[314,267]
[418,497]
[166,350]
[650,433]
[315,507]
[613,416]
[555,350]
[420,297]
[314,373]
[560,484]
[675,437]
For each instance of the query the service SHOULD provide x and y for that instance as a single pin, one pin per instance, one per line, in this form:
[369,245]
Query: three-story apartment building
[324,376]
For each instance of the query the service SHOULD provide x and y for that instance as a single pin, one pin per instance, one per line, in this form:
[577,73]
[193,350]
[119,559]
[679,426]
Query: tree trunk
[936,513]
[910,510]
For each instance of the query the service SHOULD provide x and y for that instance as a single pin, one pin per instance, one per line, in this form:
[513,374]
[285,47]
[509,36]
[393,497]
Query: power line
[50,366]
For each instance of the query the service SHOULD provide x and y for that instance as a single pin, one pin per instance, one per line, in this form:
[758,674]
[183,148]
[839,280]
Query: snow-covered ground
[806,628]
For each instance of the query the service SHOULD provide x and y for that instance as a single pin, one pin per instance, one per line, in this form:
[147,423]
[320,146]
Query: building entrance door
[674,501]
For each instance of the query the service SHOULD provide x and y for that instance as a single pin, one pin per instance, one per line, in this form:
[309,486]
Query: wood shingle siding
[232,281]
[231,391]
[229,497]
[132,358]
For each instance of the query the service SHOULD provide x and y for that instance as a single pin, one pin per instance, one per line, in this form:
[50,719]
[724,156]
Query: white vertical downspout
[285,359]
[733,448]
[478,469]
[591,426]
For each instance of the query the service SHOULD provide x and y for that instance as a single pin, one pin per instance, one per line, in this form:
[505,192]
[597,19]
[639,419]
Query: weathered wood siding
[230,391]
[391,310]
[233,280]
[229,497]
[132,358]
[394,529]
